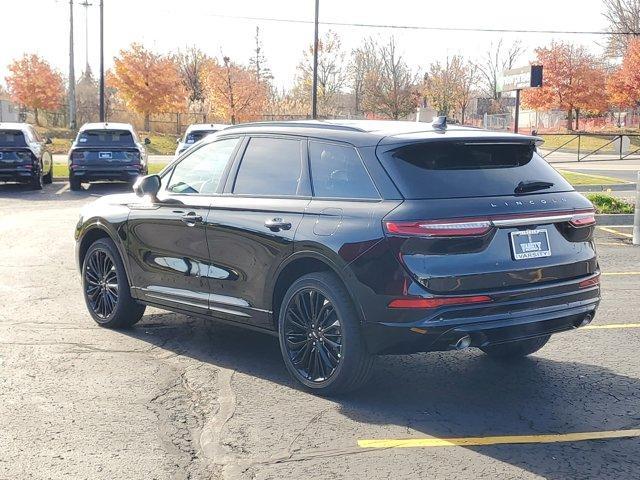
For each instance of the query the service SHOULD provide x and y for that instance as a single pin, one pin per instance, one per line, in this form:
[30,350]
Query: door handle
[191,218]
[277,224]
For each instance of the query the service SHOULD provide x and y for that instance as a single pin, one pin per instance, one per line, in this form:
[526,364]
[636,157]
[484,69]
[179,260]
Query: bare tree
[623,16]
[332,74]
[258,61]
[465,77]
[192,64]
[363,60]
[390,87]
[496,60]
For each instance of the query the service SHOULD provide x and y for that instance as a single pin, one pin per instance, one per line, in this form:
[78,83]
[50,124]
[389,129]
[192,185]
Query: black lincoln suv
[350,239]
[106,151]
[24,155]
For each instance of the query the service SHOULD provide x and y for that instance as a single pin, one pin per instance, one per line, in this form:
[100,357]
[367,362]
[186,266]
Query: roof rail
[296,123]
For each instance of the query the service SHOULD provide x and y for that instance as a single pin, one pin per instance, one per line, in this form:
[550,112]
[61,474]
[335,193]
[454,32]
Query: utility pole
[314,87]
[86,6]
[72,74]
[102,117]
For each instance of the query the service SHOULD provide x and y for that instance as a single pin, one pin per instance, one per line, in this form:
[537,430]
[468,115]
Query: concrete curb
[616,187]
[620,219]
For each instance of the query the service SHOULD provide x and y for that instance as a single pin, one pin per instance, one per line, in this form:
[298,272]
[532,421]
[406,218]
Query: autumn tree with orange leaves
[573,81]
[34,84]
[623,85]
[235,92]
[147,82]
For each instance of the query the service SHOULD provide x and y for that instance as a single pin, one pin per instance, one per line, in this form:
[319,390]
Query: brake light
[441,228]
[77,156]
[436,302]
[583,220]
[590,282]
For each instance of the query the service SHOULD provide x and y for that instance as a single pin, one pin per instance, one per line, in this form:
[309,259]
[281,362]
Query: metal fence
[590,146]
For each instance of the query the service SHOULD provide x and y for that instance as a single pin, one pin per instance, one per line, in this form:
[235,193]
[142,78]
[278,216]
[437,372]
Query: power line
[419,27]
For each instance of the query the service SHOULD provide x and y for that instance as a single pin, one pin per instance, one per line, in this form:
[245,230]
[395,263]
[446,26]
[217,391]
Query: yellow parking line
[63,189]
[615,232]
[619,273]
[506,439]
[611,325]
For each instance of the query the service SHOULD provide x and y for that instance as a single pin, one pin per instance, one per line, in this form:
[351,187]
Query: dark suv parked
[350,239]
[106,151]
[24,155]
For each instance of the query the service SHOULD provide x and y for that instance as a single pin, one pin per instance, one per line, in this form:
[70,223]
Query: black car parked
[350,239]
[106,151]
[24,155]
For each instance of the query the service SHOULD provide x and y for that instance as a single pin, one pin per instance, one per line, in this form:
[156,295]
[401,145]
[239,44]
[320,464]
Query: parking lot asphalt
[179,397]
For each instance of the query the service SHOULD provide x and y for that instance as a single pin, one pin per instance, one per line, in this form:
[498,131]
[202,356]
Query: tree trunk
[147,122]
[577,119]
[35,113]
[462,112]
[570,119]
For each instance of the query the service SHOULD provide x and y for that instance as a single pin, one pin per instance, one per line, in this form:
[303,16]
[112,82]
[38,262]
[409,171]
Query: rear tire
[106,288]
[74,183]
[37,181]
[516,349]
[48,178]
[317,313]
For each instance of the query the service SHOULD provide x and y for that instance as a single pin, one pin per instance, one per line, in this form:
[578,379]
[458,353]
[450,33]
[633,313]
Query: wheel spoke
[101,283]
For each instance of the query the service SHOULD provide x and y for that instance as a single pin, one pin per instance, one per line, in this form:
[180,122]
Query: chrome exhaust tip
[585,321]
[463,342]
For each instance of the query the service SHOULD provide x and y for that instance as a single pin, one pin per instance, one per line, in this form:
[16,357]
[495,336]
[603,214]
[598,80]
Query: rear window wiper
[532,186]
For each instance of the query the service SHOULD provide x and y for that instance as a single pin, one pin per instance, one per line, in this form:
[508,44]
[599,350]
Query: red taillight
[590,282]
[583,219]
[441,228]
[437,301]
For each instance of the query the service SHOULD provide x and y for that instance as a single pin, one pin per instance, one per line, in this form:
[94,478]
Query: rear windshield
[105,138]
[195,136]
[12,138]
[467,169]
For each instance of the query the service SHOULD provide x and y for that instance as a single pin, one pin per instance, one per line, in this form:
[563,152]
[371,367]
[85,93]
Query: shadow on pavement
[57,192]
[454,394]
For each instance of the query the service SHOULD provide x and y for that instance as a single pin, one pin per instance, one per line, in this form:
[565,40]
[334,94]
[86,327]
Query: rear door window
[270,167]
[106,138]
[12,138]
[448,169]
[337,172]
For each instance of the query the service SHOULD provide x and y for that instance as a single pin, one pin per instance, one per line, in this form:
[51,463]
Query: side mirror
[147,141]
[47,141]
[148,185]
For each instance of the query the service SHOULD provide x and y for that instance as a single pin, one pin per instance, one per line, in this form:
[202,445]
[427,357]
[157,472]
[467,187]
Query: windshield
[12,138]
[197,135]
[467,169]
[105,138]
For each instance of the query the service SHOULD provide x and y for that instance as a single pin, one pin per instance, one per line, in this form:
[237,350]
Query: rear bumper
[124,174]
[494,324]
[18,174]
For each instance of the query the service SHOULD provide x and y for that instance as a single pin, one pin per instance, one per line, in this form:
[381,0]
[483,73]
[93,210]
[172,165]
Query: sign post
[518,79]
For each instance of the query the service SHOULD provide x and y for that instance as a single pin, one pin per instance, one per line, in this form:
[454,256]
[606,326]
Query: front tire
[320,337]
[516,349]
[106,288]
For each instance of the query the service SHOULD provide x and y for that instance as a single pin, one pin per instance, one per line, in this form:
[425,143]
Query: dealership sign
[521,78]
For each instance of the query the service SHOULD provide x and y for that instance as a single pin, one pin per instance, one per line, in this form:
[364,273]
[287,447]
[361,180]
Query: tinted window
[197,135]
[337,171]
[202,169]
[467,169]
[270,166]
[12,138]
[105,138]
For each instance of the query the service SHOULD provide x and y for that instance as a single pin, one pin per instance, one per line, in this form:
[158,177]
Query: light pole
[102,116]
[86,6]
[314,86]
[72,74]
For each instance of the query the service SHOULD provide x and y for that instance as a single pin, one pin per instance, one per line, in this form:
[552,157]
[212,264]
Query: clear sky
[41,26]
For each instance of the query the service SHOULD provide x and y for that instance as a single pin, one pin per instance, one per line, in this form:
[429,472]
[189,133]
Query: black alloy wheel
[101,283]
[313,333]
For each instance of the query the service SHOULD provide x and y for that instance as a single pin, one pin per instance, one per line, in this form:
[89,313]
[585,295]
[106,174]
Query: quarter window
[337,172]
[270,166]
[201,171]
